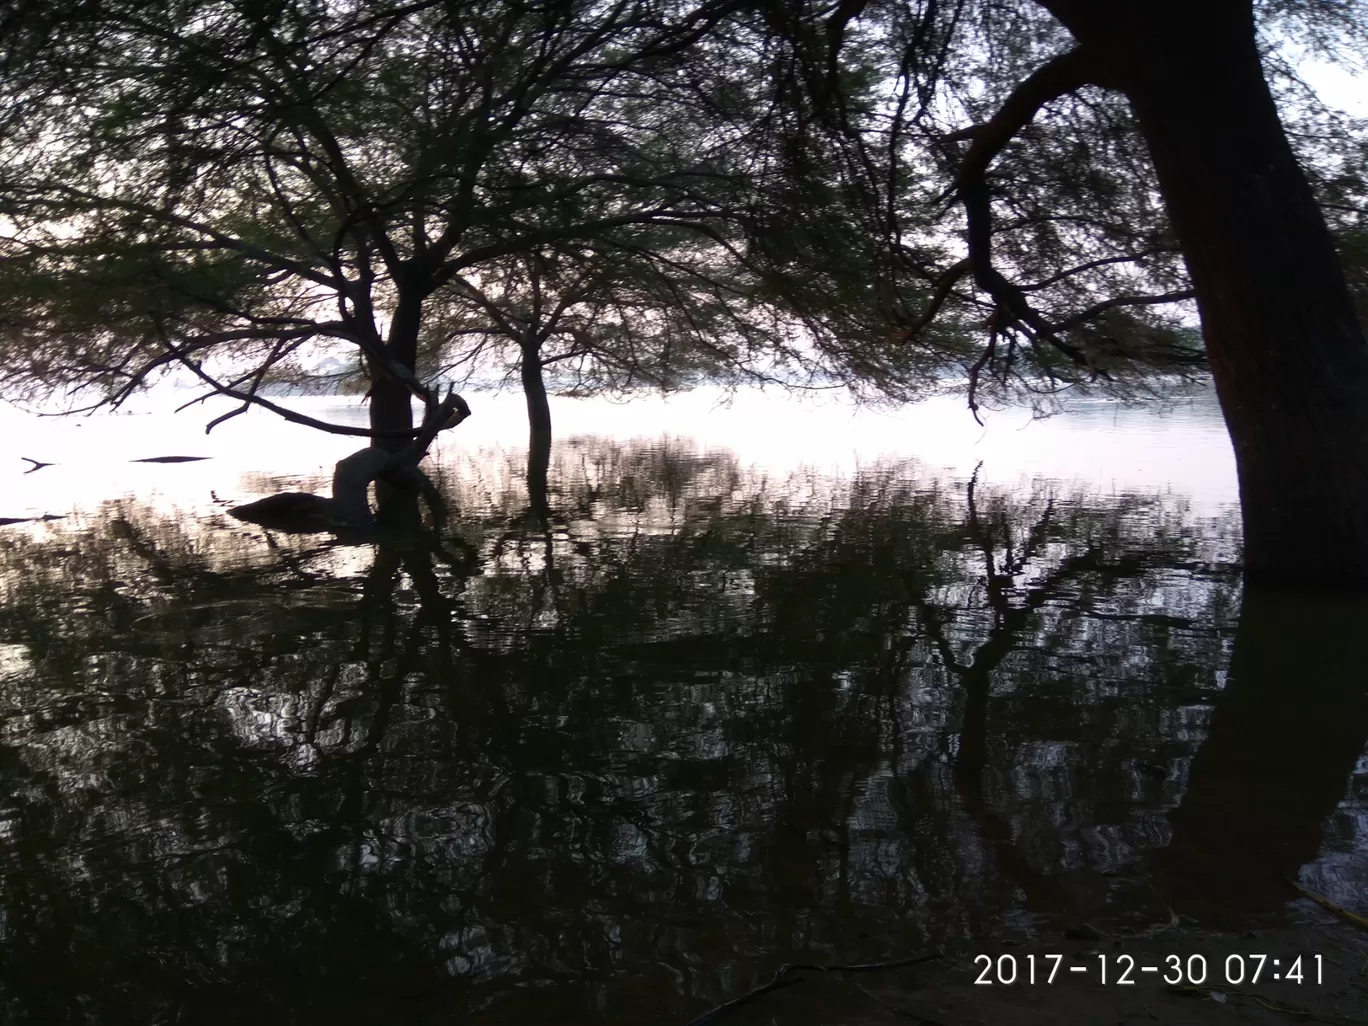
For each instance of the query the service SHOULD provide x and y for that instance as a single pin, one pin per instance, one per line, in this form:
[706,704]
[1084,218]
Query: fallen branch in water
[787,976]
[1349,917]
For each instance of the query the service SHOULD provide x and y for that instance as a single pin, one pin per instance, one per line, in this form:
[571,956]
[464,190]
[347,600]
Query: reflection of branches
[734,710]
[1014,610]
[789,975]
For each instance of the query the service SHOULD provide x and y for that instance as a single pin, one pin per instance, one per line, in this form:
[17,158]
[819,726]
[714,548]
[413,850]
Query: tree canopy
[1018,191]
[653,191]
[220,186]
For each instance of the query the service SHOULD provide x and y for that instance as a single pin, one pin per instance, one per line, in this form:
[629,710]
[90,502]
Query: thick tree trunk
[391,409]
[539,426]
[391,401]
[1286,350]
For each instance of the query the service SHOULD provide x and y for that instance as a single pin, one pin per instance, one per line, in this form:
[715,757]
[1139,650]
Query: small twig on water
[787,977]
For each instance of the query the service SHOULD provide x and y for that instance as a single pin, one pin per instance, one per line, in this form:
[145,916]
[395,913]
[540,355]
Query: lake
[781,681]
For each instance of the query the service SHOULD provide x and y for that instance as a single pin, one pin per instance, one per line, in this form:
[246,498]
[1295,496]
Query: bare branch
[280,411]
[1063,75]
[944,284]
[1110,304]
[1090,265]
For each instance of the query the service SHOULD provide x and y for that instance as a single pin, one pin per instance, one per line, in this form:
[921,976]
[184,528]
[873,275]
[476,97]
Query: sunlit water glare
[1100,446]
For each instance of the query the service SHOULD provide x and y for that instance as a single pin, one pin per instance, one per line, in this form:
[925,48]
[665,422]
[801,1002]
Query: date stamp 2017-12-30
[1119,969]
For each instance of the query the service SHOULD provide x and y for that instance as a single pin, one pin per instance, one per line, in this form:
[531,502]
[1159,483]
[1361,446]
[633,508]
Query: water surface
[775,684]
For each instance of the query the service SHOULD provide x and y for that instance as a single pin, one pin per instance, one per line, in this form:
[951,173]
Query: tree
[612,315]
[1287,352]
[228,187]
[1101,163]
[660,189]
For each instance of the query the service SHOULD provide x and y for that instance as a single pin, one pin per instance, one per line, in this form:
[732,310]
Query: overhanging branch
[287,414]
[1097,309]
[1060,76]
[944,284]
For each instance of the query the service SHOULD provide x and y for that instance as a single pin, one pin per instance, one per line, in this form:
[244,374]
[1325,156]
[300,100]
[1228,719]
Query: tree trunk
[390,410]
[539,425]
[1286,351]
[391,401]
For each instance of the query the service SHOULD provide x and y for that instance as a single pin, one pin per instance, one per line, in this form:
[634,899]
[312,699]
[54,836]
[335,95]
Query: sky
[1338,86]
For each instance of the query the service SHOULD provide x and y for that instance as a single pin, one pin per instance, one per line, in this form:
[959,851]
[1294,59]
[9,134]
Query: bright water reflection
[714,718]
[1097,445]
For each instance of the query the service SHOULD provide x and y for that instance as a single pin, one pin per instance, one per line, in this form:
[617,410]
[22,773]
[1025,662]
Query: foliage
[241,188]
[1089,288]
[650,192]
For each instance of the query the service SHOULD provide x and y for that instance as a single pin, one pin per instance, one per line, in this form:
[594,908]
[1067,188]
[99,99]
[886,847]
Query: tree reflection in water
[698,725]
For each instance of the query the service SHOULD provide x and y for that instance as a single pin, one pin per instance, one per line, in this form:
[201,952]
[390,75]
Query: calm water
[778,684]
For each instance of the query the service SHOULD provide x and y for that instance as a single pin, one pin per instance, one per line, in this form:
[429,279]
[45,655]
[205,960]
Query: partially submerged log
[304,512]
[347,511]
[293,512]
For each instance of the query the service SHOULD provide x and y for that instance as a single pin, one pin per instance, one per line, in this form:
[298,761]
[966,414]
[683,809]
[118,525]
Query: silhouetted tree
[234,189]
[1100,163]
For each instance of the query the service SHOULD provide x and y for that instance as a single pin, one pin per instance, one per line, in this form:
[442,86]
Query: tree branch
[586,229]
[1124,258]
[943,284]
[85,201]
[281,411]
[1110,304]
[1060,76]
